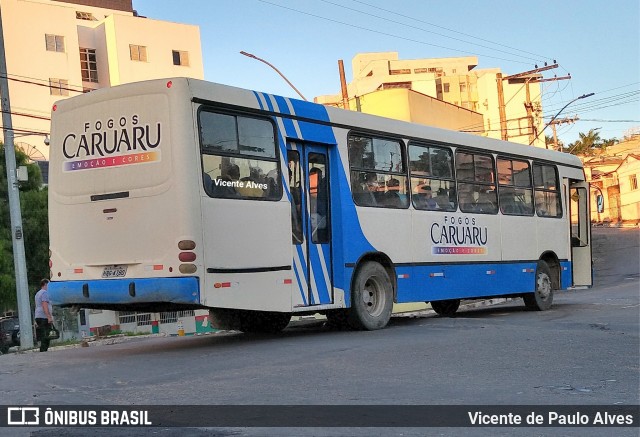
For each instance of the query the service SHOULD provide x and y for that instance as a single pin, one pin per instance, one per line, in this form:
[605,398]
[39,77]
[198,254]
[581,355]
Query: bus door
[580,234]
[310,223]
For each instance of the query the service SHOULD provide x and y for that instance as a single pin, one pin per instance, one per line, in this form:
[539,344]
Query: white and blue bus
[181,194]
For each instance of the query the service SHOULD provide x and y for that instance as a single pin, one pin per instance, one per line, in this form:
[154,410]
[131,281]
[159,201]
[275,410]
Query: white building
[56,49]
[451,80]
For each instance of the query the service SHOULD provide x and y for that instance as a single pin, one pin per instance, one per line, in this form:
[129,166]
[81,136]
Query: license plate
[114,272]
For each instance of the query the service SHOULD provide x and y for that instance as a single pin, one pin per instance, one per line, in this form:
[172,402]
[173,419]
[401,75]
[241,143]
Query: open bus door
[311,223]
[580,234]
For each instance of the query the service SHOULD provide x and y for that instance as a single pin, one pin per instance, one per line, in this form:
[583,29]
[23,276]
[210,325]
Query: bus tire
[263,322]
[371,298]
[542,298]
[446,308]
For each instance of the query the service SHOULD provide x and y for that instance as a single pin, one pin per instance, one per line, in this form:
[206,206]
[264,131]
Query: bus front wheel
[446,308]
[542,298]
[371,298]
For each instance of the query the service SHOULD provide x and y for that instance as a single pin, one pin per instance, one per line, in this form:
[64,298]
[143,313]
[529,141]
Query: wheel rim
[373,296]
[544,286]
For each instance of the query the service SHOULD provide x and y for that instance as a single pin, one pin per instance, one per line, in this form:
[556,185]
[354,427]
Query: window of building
[395,85]
[186,313]
[547,191]
[88,65]
[85,16]
[400,71]
[514,183]
[239,157]
[446,87]
[180,58]
[476,183]
[432,183]
[378,175]
[138,53]
[54,43]
[633,181]
[58,87]
[463,87]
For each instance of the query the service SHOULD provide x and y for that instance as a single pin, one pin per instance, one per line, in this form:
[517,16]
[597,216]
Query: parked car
[9,333]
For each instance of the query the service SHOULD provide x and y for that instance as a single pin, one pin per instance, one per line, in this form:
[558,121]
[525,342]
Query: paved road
[586,350]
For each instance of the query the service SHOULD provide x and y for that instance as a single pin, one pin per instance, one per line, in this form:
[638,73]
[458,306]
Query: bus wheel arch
[552,261]
[372,295]
[384,261]
[542,297]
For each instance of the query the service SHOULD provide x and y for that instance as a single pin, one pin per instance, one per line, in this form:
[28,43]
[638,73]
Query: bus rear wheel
[371,298]
[542,298]
[446,308]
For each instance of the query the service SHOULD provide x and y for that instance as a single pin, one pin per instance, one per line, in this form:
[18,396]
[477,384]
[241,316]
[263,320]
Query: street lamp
[584,96]
[277,71]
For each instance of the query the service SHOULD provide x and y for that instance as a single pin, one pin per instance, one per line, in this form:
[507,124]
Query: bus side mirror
[600,203]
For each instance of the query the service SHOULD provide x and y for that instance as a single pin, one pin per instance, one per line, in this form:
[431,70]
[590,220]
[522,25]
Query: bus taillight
[187,257]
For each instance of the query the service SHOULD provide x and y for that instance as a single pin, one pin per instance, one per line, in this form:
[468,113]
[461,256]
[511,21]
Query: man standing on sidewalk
[43,315]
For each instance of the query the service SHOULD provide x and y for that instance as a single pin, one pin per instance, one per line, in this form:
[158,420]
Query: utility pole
[553,127]
[343,85]
[501,108]
[529,78]
[584,96]
[19,260]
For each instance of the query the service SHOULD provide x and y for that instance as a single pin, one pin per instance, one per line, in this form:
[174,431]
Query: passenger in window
[392,195]
[225,186]
[366,196]
[424,198]
[442,199]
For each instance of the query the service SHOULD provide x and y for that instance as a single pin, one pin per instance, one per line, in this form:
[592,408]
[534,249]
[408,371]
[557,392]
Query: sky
[594,41]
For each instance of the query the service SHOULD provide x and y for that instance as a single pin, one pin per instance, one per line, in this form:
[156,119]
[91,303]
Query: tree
[33,203]
[586,143]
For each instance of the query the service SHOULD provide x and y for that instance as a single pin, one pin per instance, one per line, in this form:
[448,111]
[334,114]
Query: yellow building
[57,49]
[454,81]
[615,174]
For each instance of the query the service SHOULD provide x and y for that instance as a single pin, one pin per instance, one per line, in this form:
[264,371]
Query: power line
[449,30]
[4,76]
[423,29]
[351,25]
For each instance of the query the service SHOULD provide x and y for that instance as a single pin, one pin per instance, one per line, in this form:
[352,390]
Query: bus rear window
[239,157]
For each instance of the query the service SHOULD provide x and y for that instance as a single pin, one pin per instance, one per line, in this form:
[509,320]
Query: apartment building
[58,49]
[456,82]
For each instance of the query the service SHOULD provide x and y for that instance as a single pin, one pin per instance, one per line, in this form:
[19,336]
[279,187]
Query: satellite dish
[31,151]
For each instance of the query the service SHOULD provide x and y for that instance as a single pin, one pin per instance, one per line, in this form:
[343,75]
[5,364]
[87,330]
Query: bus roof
[239,97]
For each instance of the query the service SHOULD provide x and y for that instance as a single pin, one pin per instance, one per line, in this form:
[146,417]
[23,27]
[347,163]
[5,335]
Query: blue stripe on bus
[566,274]
[300,287]
[116,291]
[303,264]
[255,93]
[287,122]
[438,282]
[318,274]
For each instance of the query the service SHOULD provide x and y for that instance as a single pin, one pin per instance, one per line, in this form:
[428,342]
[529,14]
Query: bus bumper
[125,291]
